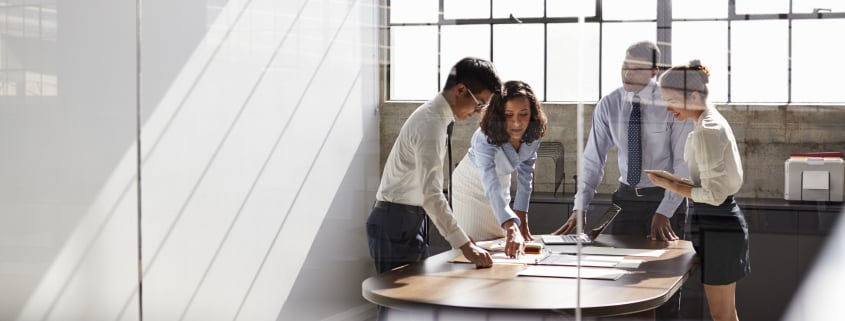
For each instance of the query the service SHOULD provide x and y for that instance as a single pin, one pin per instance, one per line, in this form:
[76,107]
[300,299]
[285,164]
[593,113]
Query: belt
[641,191]
[401,207]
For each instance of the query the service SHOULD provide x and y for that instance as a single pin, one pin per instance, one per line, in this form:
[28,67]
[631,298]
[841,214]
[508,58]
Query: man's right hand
[477,255]
[570,225]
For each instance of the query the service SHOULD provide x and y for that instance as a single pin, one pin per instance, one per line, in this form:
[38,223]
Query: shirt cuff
[457,238]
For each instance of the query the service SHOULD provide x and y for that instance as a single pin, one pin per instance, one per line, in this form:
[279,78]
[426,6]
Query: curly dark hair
[492,121]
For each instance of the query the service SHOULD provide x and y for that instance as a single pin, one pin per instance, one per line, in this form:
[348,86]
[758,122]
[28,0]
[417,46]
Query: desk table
[437,285]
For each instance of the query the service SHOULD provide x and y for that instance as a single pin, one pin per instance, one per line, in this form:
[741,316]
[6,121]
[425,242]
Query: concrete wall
[766,135]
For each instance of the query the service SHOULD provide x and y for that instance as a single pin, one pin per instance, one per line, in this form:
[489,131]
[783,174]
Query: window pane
[571,8]
[629,9]
[565,58]
[459,41]
[708,42]
[814,61]
[409,11]
[466,9]
[519,8]
[413,62]
[807,6]
[762,6]
[518,54]
[759,68]
[695,9]
[616,38]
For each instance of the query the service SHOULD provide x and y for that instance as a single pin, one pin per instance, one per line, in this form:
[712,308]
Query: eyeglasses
[479,106]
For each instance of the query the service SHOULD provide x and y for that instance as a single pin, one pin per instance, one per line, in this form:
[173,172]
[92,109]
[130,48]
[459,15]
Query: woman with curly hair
[506,141]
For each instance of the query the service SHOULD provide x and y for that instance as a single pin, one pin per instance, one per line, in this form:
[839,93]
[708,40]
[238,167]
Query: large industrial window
[758,51]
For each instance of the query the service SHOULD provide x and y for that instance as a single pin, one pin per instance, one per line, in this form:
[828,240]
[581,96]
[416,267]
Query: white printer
[814,177]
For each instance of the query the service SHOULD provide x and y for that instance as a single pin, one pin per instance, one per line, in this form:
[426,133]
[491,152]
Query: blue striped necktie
[634,144]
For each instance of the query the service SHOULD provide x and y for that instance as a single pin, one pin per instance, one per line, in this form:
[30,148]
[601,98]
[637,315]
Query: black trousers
[638,208]
[396,235]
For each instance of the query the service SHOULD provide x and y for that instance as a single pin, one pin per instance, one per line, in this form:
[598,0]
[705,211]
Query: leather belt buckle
[637,192]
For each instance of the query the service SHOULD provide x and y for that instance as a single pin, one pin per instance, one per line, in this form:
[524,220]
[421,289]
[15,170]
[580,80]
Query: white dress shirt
[713,159]
[413,172]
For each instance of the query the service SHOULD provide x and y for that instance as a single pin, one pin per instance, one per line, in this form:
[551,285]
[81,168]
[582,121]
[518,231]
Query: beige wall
[766,136]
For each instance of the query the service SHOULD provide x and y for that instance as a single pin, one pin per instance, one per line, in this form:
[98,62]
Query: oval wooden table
[437,285]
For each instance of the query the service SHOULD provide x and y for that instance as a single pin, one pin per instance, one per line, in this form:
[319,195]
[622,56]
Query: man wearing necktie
[633,118]
[411,186]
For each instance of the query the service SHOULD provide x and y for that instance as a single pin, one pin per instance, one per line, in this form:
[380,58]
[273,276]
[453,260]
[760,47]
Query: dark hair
[476,73]
[687,79]
[492,121]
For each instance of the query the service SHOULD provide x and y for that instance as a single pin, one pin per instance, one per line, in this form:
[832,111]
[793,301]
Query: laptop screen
[605,219]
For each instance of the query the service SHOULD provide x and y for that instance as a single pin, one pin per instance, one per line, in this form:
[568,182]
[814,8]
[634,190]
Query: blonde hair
[689,78]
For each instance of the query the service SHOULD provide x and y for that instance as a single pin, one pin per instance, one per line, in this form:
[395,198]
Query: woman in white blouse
[506,142]
[718,228]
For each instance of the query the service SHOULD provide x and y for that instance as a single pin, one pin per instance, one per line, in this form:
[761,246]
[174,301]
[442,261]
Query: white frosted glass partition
[616,38]
[814,58]
[466,9]
[258,130]
[410,11]
[517,8]
[571,8]
[807,6]
[413,62]
[459,41]
[518,52]
[687,9]
[629,9]
[759,68]
[68,197]
[689,42]
[562,67]
[762,7]
[246,149]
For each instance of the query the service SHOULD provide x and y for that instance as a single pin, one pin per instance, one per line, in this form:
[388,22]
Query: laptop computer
[567,239]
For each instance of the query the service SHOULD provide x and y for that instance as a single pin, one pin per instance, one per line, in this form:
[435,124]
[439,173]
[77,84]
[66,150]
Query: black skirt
[719,235]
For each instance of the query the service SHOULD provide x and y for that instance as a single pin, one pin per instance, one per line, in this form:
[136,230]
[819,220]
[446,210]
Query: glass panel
[571,8]
[807,6]
[629,9]
[466,9]
[616,37]
[519,8]
[413,62]
[565,58]
[457,42]
[695,9]
[815,61]
[518,52]
[688,43]
[759,68]
[762,6]
[411,11]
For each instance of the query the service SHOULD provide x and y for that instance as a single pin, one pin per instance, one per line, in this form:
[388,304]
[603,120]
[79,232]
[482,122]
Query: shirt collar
[442,107]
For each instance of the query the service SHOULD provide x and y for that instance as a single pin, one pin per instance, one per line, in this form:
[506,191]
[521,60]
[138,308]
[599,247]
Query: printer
[814,177]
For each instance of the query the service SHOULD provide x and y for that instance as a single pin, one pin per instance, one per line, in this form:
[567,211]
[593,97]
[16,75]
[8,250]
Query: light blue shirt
[663,139]
[495,165]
